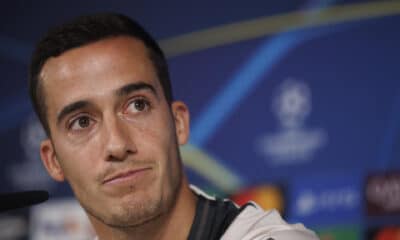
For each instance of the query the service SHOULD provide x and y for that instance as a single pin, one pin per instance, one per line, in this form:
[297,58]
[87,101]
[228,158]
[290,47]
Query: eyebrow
[71,108]
[132,87]
[123,91]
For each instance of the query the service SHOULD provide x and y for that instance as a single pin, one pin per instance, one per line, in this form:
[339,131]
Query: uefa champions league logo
[293,142]
[31,168]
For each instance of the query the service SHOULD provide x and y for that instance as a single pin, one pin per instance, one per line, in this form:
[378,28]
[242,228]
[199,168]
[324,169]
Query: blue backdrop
[302,95]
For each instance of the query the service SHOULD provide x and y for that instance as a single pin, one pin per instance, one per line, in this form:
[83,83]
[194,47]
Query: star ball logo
[293,142]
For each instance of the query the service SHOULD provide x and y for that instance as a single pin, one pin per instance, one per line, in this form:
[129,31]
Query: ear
[181,116]
[50,161]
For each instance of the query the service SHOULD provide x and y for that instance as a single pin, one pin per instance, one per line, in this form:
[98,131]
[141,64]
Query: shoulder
[253,223]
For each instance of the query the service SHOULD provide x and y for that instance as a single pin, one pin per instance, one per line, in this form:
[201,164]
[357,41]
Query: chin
[132,213]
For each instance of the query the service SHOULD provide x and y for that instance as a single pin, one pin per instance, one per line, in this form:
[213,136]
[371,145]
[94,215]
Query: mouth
[125,176]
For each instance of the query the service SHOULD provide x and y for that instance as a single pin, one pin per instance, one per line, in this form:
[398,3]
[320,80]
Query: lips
[125,175]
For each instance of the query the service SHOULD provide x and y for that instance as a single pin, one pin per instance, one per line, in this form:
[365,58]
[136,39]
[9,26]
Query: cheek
[155,140]
[79,160]
[155,130]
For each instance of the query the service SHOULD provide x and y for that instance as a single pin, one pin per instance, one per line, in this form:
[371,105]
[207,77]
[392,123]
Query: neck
[174,224]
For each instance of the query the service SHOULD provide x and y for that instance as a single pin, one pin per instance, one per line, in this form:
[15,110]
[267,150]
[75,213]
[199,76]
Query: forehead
[115,53]
[95,69]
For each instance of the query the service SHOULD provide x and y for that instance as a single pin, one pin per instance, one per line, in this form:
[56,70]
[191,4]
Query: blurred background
[294,104]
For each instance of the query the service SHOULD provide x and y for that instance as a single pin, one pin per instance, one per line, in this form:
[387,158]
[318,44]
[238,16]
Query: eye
[80,123]
[138,105]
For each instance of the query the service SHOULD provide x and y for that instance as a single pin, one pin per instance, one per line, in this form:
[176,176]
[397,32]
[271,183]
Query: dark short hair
[84,30]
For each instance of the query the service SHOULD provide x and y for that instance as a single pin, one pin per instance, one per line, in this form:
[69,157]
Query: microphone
[15,200]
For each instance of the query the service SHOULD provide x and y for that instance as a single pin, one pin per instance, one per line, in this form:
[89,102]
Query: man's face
[114,137]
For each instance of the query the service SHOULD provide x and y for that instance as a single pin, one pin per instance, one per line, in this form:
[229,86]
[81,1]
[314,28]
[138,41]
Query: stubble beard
[137,213]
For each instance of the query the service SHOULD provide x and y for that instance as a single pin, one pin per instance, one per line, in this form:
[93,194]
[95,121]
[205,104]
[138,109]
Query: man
[101,89]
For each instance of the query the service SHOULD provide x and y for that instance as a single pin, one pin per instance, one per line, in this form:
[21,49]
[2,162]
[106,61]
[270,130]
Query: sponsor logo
[321,200]
[310,202]
[382,193]
[31,168]
[266,196]
[293,142]
[60,219]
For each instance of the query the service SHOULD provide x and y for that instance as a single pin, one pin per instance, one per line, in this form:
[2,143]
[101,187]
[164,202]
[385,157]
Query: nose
[118,140]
